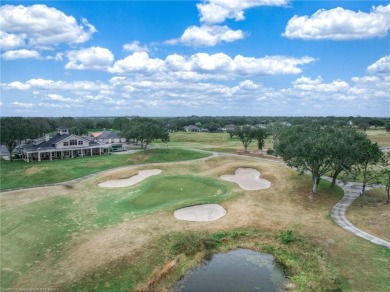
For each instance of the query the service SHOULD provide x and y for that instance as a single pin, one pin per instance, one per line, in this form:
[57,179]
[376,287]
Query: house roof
[95,134]
[108,135]
[50,144]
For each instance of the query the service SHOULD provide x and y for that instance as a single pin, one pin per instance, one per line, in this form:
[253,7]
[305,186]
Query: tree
[305,148]
[369,156]
[120,122]
[145,131]
[231,133]
[12,132]
[387,127]
[245,134]
[384,175]
[344,149]
[260,135]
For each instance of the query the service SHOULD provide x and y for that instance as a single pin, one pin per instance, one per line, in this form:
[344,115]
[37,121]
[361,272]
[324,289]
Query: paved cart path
[351,193]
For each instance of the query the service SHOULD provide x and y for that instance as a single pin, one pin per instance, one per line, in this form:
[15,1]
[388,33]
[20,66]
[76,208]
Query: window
[66,143]
[80,142]
[73,142]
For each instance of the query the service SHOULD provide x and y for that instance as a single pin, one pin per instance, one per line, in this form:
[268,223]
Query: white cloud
[39,26]
[217,11]
[37,85]
[20,54]
[10,41]
[22,105]
[206,66]
[135,46]
[382,66]
[340,24]
[137,62]
[207,36]
[308,84]
[94,58]
[58,97]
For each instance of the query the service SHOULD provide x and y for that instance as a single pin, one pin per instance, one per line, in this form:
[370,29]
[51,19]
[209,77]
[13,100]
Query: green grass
[158,193]
[28,232]
[23,174]
[220,142]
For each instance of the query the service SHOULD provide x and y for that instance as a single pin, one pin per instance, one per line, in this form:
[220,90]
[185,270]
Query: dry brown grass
[380,136]
[374,217]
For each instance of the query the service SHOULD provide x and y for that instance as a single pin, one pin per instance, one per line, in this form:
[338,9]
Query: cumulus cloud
[94,58]
[137,62]
[340,24]
[20,54]
[214,66]
[217,11]
[40,26]
[50,85]
[308,84]
[381,66]
[135,46]
[23,105]
[207,36]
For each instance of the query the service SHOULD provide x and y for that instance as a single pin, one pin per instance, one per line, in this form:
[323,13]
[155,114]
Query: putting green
[165,192]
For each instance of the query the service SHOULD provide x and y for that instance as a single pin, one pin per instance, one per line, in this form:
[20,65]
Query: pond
[236,270]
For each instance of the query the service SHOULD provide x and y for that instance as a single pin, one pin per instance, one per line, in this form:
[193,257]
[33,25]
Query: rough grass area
[220,142]
[380,136]
[170,257]
[374,217]
[23,174]
[33,231]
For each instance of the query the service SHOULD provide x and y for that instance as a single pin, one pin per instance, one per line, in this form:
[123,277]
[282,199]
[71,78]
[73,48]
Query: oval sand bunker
[248,179]
[200,213]
[126,182]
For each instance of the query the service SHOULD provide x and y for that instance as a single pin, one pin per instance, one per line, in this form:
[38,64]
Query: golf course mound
[200,213]
[248,179]
[130,181]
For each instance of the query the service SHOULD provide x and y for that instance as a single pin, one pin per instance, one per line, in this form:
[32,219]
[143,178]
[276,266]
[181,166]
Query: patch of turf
[28,232]
[23,174]
[160,193]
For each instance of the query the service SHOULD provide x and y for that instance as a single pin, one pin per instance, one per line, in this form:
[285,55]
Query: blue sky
[179,58]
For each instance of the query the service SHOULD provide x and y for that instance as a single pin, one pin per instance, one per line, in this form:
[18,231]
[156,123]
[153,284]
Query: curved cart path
[351,192]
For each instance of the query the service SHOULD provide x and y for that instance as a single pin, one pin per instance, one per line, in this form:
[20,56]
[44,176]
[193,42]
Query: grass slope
[23,174]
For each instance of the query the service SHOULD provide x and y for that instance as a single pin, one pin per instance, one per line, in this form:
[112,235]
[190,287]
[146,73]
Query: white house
[62,145]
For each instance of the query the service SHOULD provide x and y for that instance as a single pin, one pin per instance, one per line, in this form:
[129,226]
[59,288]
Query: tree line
[328,150]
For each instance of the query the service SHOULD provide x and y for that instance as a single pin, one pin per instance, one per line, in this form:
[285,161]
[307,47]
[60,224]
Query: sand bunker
[120,183]
[248,179]
[200,213]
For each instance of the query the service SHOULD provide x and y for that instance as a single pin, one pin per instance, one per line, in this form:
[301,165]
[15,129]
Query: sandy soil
[200,213]
[248,179]
[120,183]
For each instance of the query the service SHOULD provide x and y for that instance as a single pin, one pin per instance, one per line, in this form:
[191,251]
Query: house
[60,146]
[192,128]
[108,137]
[230,127]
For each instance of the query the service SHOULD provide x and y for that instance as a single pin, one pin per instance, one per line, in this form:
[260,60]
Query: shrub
[270,151]
[286,236]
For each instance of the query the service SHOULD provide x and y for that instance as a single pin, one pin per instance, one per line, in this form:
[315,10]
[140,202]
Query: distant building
[192,128]
[60,146]
[107,137]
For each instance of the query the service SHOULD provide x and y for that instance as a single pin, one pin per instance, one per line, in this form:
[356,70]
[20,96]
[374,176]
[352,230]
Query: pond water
[237,270]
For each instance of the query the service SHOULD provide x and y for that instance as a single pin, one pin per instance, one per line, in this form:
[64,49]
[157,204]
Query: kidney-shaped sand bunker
[126,182]
[248,179]
[200,213]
